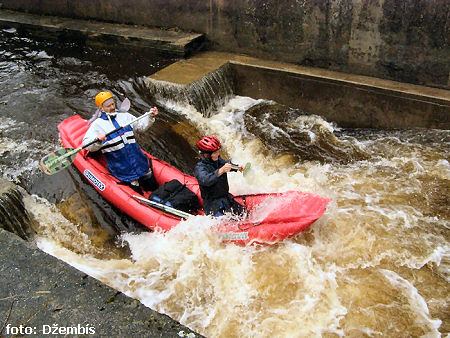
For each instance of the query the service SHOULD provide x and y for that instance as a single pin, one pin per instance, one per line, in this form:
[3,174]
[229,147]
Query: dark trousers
[223,205]
[146,182]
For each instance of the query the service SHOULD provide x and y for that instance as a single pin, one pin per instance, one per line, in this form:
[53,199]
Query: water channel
[376,264]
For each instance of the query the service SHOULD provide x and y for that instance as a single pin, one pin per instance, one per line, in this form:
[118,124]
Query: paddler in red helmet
[211,173]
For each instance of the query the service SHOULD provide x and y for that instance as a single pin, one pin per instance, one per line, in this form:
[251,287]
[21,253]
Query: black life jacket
[214,194]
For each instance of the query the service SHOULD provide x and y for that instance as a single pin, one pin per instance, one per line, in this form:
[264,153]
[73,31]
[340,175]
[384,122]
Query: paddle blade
[247,168]
[57,161]
[125,105]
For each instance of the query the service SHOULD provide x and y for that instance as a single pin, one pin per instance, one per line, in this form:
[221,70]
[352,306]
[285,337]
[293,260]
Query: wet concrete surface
[170,41]
[347,99]
[196,67]
[41,293]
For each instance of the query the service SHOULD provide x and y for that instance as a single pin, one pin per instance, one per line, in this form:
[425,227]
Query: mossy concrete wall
[405,41]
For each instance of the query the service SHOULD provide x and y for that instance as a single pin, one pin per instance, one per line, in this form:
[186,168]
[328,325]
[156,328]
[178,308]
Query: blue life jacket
[125,158]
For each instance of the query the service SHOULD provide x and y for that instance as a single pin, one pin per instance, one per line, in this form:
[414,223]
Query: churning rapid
[376,264]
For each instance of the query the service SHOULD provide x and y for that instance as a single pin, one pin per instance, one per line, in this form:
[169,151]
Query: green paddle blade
[247,168]
[58,160]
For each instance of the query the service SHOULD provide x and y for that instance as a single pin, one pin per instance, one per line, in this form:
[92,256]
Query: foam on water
[55,228]
[267,174]
[10,30]
[375,264]
[24,154]
[221,290]
[41,55]
[416,302]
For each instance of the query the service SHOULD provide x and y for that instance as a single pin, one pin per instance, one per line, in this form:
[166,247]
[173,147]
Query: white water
[22,152]
[377,263]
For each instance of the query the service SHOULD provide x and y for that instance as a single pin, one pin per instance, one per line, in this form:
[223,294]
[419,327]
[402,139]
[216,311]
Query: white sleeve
[142,124]
[92,133]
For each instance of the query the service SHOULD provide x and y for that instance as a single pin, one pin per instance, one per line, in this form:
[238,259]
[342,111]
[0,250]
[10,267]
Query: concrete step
[169,41]
[354,101]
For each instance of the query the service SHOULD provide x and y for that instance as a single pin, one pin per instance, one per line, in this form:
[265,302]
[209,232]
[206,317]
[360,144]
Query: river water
[376,264]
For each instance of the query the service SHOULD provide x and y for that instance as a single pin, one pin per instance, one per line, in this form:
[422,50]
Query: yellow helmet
[102,97]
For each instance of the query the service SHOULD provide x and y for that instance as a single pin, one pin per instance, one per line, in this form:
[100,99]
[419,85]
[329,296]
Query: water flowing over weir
[377,263]
[207,94]
[308,137]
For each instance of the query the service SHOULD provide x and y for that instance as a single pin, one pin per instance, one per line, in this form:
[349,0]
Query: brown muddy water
[376,264]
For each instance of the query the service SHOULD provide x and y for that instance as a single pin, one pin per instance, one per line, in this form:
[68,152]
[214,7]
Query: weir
[404,41]
[206,94]
[13,215]
[206,80]
[352,101]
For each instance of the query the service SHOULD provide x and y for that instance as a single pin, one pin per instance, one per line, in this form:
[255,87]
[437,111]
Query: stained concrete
[13,215]
[168,41]
[406,41]
[347,99]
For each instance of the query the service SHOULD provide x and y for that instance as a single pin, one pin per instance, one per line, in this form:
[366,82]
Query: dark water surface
[44,82]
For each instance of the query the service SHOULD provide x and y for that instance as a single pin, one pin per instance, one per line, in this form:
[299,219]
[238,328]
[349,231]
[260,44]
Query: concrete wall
[402,40]
[349,104]
[350,100]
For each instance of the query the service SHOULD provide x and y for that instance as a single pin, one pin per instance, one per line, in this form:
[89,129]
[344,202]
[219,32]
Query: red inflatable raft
[272,217]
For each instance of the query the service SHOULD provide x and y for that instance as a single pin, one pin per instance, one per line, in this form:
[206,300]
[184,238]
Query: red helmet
[208,144]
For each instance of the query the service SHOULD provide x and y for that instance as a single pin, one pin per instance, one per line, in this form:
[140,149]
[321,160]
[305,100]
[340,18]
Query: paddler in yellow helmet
[125,158]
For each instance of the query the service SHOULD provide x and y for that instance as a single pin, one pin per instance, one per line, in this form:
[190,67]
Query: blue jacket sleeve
[204,176]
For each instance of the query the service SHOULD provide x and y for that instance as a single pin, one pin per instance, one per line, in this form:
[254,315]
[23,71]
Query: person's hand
[101,137]
[154,111]
[225,168]
[237,167]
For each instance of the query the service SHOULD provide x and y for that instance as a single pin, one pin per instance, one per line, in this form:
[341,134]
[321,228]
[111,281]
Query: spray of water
[376,264]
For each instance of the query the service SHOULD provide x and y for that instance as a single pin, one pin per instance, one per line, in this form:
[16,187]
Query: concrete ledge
[349,100]
[38,289]
[173,42]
